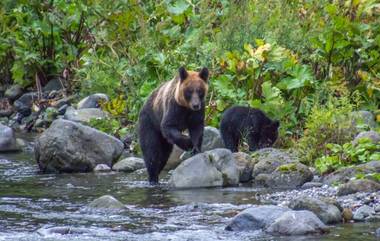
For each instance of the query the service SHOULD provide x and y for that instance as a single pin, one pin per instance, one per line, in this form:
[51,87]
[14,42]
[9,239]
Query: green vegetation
[307,63]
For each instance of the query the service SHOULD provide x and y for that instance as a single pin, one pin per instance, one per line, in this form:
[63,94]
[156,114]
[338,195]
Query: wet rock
[106,202]
[286,176]
[327,212]
[372,135]
[363,212]
[84,115]
[308,185]
[245,164]
[345,174]
[211,139]
[363,117]
[7,139]
[54,84]
[13,92]
[102,168]
[62,230]
[297,223]
[174,158]
[68,146]
[268,159]
[24,104]
[210,169]
[256,218]
[129,164]
[92,101]
[362,185]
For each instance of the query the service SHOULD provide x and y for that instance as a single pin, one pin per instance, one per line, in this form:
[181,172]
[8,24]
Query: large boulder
[129,164]
[210,169]
[174,158]
[372,135]
[13,92]
[106,202]
[361,185]
[327,212]
[24,104]
[363,213]
[7,139]
[245,164]
[92,101]
[256,218]
[84,115]
[291,175]
[68,146]
[212,139]
[297,223]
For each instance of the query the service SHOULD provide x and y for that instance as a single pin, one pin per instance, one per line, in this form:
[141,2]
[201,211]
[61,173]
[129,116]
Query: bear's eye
[188,94]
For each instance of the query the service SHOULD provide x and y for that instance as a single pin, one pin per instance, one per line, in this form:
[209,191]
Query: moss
[287,167]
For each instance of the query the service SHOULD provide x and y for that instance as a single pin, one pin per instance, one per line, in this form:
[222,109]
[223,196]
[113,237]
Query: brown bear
[175,106]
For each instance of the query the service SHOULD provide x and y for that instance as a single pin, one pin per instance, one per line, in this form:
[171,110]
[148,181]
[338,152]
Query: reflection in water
[30,201]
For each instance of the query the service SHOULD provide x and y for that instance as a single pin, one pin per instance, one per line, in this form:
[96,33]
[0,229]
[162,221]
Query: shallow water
[30,201]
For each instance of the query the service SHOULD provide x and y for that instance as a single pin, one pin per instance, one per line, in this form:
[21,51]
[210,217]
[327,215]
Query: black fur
[244,122]
[158,132]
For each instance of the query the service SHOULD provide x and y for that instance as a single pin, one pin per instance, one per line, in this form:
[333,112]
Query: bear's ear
[276,124]
[182,73]
[204,74]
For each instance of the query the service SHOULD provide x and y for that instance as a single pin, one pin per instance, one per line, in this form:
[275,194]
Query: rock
[106,202]
[268,159]
[256,218]
[361,185]
[210,169]
[54,84]
[377,233]
[372,135]
[84,115]
[61,230]
[92,101]
[308,185]
[102,168]
[286,176]
[211,139]
[363,212]
[62,109]
[7,139]
[68,146]
[24,104]
[344,174]
[174,158]
[328,213]
[13,92]
[363,117]
[129,164]
[297,223]
[245,164]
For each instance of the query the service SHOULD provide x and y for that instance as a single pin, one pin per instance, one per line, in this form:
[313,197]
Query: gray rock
[24,104]
[363,212]
[268,159]
[286,176]
[225,163]
[84,115]
[102,168]
[13,92]
[297,223]
[327,212]
[68,146]
[361,185]
[363,117]
[129,164]
[7,139]
[211,139]
[377,233]
[245,164]
[62,109]
[106,202]
[256,218]
[174,158]
[61,230]
[308,185]
[54,84]
[345,174]
[92,101]
[372,135]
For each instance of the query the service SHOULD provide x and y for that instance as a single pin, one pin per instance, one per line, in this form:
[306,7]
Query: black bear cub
[244,122]
[175,106]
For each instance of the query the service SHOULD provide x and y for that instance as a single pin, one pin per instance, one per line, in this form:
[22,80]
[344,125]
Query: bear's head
[192,88]
[269,134]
